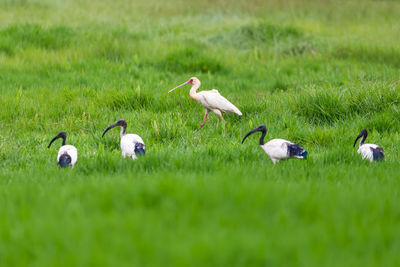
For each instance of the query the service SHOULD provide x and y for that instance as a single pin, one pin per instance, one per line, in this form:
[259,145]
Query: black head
[121,123]
[62,135]
[363,134]
[260,128]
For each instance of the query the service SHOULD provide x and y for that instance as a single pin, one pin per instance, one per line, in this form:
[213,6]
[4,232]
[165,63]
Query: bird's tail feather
[377,154]
[236,110]
[64,160]
[139,149]
[297,151]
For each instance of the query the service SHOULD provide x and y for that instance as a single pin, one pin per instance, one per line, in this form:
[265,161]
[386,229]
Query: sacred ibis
[371,152]
[132,145]
[67,154]
[278,149]
[211,100]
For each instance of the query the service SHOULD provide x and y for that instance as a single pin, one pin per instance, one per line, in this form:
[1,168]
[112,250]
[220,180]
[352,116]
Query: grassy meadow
[314,72]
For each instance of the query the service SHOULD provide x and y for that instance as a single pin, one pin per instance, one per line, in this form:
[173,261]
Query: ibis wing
[294,150]
[366,152]
[214,100]
[276,148]
[136,138]
[128,143]
[377,153]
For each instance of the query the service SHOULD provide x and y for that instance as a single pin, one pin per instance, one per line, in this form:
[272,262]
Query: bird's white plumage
[128,142]
[71,151]
[365,151]
[213,100]
[277,149]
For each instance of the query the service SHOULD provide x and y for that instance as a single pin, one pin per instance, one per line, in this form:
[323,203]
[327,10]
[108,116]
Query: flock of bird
[132,145]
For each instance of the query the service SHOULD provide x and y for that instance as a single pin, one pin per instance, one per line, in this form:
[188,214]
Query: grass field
[314,72]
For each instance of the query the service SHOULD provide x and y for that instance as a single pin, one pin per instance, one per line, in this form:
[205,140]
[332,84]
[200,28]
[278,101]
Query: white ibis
[67,154]
[132,145]
[278,149]
[211,100]
[371,152]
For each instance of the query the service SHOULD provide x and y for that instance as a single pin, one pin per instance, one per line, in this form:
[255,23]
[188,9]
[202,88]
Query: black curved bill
[358,137]
[109,128]
[250,133]
[52,140]
[59,135]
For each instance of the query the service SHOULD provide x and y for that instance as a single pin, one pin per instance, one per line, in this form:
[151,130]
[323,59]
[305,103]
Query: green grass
[314,72]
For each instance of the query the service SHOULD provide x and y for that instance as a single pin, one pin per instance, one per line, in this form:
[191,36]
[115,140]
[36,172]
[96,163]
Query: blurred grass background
[314,72]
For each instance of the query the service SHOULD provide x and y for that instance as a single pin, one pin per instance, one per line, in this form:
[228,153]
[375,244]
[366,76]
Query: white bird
[278,149]
[67,154]
[369,151]
[211,100]
[132,145]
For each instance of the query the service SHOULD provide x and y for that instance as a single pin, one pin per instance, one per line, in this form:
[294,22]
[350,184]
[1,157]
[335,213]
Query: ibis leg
[204,120]
[219,114]
[222,118]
